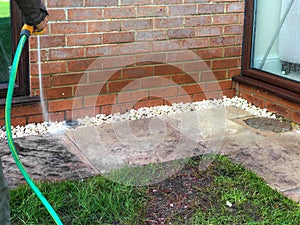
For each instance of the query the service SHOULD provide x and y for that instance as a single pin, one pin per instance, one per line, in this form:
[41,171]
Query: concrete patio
[86,151]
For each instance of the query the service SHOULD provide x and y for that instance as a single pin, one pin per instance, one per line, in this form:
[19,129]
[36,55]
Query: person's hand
[41,26]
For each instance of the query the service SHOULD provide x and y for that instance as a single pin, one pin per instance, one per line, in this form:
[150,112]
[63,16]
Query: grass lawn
[225,193]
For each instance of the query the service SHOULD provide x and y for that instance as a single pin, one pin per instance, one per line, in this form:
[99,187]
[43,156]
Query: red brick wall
[111,56]
[272,102]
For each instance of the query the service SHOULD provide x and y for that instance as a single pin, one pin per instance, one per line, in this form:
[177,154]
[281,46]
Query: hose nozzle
[29,30]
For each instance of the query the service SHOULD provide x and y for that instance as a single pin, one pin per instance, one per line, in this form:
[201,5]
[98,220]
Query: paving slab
[45,157]
[87,151]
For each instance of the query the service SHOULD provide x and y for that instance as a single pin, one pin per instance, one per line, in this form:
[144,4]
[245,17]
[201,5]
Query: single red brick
[148,103]
[278,109]
[101,3]
[48,41]
[154,82]
[204,31]
[217,86]
[206,95]
[25,110]
[83,65]
[185,78]
[225,63]
[210,53]
[67,79]
[195,43]
[197,66]
[151,59]
[132,96]
[83,39]
[118,37]
[57,116]
[104,75]
[21,121]
[81,113]
[222,41]
[66,3]
[66,104]
[36,118]
[57,14]
[213,75]
[66,53]
[90,89]
[198,1]
[166,70]
[199,97]
[226,19]
[120,13]
[211,8]
[136,2]
[196,21]
[151,11]
[163,2]
[116,108]
[68,28]
[117,86]
[181,56]
[85,14]
[164,92]
[34,55]
[296,117]
[229,93]
[137,24]
[178,99]
[100,100]
[118,62]
[182,10]
[56,93]
[150,35]
[137,72]
[235,7]
[34,82]
[234,72]
[191,89]
[254,100]
[234,29]
[181,33]
[48,68]
[282,101]
[103,26]
[168,22]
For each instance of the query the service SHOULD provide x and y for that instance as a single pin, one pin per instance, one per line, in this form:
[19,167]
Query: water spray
[24,35]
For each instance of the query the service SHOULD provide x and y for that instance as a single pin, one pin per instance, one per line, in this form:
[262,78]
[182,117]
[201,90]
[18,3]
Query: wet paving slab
[87,151]
[44,157]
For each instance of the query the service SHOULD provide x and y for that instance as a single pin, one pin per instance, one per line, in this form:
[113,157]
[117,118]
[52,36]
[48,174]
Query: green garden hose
[26,32]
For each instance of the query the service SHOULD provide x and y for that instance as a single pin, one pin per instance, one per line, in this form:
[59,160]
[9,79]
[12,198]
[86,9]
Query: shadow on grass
[5,49]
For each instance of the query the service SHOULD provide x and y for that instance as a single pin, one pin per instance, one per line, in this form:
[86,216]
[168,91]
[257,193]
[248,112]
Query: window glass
[5,41]
[276,38]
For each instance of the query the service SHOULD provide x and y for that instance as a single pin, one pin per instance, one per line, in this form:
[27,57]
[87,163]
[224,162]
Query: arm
[34,11]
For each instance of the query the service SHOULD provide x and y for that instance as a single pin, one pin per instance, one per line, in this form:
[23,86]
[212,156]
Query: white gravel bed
[144,112]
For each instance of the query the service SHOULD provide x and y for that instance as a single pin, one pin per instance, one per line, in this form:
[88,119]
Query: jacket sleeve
[34,11]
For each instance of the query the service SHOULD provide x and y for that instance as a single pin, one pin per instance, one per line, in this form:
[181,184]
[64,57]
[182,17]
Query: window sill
[21,100]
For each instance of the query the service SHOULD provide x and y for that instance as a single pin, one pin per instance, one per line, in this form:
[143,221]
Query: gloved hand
[41,26]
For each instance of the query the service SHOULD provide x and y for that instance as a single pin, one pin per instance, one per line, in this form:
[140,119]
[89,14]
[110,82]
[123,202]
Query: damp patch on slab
[269,124]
